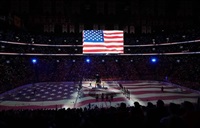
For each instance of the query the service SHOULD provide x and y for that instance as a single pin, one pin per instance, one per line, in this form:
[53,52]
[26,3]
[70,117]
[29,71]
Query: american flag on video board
[103,41]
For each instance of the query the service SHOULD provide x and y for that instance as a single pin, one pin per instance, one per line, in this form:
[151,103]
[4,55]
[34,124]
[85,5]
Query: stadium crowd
[185,115]
[19,70]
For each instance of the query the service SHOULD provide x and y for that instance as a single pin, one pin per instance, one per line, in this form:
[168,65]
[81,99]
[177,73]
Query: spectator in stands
[190,115]
[173,120]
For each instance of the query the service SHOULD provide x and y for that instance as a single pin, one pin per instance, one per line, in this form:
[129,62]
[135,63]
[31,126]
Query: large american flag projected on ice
[65,94]
[103,41]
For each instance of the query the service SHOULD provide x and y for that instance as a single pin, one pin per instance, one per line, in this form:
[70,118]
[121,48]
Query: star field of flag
[42,92]
[93,36]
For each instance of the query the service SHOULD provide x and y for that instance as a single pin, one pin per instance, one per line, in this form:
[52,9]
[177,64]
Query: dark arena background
[48,79]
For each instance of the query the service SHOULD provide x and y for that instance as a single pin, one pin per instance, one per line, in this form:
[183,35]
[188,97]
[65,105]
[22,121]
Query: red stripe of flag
[103,51]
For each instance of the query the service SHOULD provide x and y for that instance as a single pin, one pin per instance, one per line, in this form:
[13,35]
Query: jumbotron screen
[103,42]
